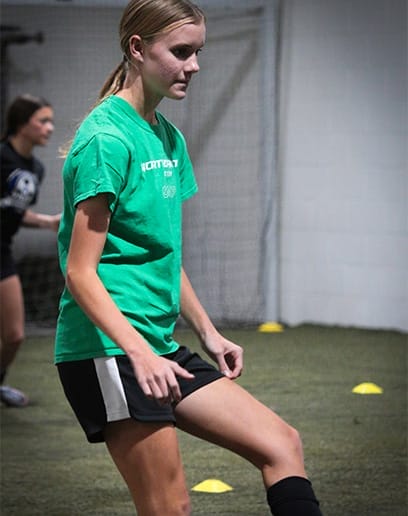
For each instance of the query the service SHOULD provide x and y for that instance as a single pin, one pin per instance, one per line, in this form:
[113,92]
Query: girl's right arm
[156,375]
[33,219]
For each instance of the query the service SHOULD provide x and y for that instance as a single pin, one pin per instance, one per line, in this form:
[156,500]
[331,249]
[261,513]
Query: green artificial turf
[355,445]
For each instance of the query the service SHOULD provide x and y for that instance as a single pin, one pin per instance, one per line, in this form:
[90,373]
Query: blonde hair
[148,19]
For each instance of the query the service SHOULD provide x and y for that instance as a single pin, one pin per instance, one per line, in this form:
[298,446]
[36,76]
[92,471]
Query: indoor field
[355,444]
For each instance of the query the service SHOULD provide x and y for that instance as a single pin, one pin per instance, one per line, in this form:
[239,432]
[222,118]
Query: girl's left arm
[226,354]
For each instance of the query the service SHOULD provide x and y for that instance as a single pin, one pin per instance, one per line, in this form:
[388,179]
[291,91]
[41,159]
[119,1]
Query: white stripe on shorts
[112,389]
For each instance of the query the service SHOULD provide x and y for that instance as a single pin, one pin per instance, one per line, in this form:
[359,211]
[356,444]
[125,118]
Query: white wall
[343,163]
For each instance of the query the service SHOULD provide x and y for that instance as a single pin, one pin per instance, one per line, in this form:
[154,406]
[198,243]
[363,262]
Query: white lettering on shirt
[158,164]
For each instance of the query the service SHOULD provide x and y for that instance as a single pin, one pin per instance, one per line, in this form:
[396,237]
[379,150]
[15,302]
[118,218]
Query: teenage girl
[29,122]
[128,381]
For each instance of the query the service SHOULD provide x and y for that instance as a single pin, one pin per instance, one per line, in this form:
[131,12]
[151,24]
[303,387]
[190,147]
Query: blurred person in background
[29,122]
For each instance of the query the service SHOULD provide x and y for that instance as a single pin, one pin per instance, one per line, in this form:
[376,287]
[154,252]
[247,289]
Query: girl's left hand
[226,354]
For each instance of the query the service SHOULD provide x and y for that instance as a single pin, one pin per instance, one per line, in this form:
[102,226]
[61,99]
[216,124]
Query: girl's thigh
[224,413]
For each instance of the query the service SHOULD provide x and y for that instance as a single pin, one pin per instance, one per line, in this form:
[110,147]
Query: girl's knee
[184,507]
[295,442]
[13,338]
[181,505]
[286,449]
[170,506]
[284,457]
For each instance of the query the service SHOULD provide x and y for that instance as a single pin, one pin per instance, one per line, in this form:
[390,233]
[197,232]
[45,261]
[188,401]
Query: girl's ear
[136,48]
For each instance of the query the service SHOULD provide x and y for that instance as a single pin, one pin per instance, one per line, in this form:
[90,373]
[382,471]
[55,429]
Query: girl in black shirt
[29,122]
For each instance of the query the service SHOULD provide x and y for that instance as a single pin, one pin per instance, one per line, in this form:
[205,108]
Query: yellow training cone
[367,388]
[270,327]
[212,485]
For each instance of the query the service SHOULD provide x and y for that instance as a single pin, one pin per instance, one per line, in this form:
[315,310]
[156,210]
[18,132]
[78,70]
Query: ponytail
[112,85]
[115,80]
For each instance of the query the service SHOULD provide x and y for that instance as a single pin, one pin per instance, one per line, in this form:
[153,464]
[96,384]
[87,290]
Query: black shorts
[7,264]
[102,390]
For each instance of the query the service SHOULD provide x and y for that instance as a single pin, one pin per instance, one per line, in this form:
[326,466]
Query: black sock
[293,496]
[2,375]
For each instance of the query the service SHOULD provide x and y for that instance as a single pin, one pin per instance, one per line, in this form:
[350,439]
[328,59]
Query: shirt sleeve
[101,166]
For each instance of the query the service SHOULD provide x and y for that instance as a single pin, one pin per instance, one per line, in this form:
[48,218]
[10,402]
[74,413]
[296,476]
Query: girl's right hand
[157,377]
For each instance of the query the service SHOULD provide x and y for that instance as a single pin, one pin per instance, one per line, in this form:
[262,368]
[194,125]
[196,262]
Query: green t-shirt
[147,173]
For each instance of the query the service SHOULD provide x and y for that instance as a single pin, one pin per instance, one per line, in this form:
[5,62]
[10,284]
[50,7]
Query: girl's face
[169,62]
[40,126]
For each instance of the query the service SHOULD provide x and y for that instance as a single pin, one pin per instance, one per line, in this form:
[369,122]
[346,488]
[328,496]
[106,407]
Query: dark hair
[148,19]
[20,111]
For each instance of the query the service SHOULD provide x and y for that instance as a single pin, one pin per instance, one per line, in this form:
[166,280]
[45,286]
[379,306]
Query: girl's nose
[193,65]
